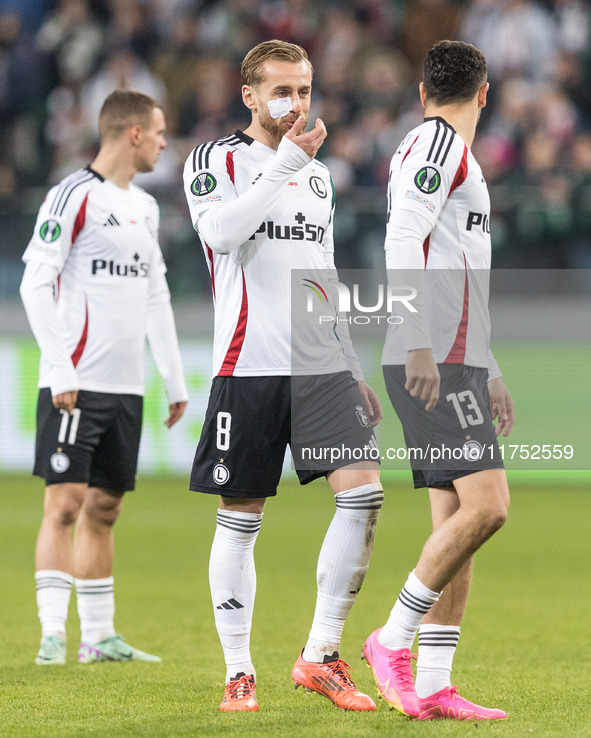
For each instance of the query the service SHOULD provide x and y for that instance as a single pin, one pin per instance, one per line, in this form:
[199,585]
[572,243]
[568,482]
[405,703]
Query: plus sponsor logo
[302,231]
[478,220]
[139,269]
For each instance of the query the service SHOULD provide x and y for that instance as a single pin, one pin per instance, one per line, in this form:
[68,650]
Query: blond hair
[252,66]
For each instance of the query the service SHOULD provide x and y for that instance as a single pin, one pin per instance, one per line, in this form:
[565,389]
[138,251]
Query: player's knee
[67,514]
[62,507]
[494,516]
[497,519]
[102,508]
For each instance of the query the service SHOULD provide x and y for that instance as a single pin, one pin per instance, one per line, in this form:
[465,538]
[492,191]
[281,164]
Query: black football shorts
[250,421]
[97,444]
[455,439]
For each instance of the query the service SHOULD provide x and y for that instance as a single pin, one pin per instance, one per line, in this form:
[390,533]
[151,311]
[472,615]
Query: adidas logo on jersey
[111,221]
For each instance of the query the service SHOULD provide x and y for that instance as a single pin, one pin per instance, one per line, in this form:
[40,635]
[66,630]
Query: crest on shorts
[221,474]
[203,184]
[428,180]
[472,450]
[362,417]
[59,462]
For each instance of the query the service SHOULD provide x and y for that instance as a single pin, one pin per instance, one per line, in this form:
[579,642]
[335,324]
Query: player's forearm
[494,370]
[405,236]
[224,228]
[405,261]
[36,292]
[164,346]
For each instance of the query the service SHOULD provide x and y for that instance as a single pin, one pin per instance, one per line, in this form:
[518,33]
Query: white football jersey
[434,175]
[252,281]
[103,241]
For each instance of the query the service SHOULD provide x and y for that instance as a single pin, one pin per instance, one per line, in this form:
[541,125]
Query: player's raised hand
[422,377]
[310,141]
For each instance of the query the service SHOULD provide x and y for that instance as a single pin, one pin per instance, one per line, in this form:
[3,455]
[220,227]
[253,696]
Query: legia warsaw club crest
[361,413]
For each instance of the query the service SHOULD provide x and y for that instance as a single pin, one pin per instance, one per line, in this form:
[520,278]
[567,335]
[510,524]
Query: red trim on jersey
[457,353]
[80,220]
[462,172]
[77,355]
[211,274]
[58,284]
[230,165]
[426,244]
[408,152]
[235,346]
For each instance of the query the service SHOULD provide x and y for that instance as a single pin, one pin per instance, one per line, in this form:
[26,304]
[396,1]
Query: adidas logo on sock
[231,604]
[111,221]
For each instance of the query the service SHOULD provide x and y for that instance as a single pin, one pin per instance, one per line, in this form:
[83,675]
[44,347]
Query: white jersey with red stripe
[102,241]
[438,225]
[260,214]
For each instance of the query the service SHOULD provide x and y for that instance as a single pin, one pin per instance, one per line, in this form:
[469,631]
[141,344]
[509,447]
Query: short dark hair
[252,66]
[453,72]
[123,109]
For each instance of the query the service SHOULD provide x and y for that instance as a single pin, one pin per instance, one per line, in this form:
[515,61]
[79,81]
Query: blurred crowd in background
[60,58]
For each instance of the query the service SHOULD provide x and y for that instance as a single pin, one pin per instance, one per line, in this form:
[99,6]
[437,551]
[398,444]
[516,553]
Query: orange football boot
[331,680]
[240,695]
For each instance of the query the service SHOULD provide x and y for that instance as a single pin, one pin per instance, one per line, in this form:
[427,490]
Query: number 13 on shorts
[466,399]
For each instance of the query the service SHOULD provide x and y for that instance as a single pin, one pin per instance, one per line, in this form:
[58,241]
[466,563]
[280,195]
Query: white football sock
[437,647]
[96,609]
[413,603]
[342,566]
[53,598]
[232,580]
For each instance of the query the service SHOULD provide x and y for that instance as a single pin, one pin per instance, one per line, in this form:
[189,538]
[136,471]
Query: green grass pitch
[525,642]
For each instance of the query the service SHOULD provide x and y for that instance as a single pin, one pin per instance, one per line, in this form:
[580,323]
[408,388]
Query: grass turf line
[523,647]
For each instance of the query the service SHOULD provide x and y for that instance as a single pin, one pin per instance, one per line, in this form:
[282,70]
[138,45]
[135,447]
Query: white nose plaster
[280,106]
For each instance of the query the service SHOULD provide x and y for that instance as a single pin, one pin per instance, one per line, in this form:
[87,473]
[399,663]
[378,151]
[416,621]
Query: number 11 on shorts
[74,417]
